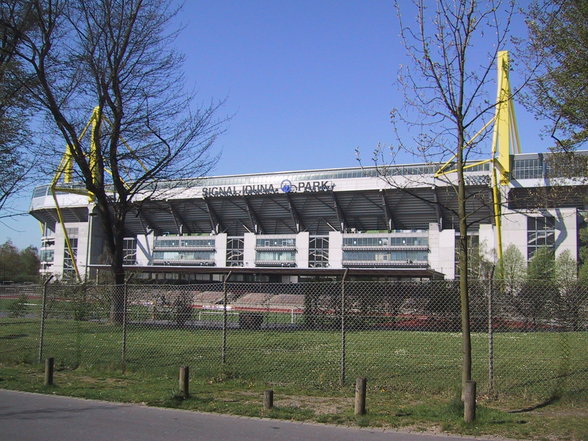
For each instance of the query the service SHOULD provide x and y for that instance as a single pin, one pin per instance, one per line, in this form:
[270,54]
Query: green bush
[19,307]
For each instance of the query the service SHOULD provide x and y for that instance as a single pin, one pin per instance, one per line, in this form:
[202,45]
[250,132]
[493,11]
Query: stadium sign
[286,186]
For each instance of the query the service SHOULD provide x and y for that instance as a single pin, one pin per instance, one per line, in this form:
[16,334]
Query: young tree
[452,48]
[539,292]
[479,265]
[572,301]
[541,267]
[512,268]
[117,57]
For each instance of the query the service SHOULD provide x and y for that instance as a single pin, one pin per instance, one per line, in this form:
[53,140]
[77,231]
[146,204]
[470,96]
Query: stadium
[395,222]
[346,233]
[391,221]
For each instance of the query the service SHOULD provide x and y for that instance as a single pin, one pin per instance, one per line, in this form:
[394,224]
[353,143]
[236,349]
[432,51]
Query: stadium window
[235,247]
[68,259]
[130,251]
[540,234]
[318,252]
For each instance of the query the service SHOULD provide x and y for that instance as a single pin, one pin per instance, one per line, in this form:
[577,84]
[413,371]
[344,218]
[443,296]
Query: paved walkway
[34,417]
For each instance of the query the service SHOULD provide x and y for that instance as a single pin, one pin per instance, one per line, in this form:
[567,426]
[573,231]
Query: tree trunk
[117,302]
[463,272]
[116,252]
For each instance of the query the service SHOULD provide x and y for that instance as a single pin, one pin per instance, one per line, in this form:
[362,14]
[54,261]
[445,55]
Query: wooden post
[49,368]
[469,402]
[360,389]
[185,381]
[268,399]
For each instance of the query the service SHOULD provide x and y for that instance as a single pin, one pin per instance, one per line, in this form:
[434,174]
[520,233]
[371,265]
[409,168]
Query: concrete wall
[302,248]
[335,249]
[441,242]
[514,229]
[249,250]
[145,249]
[442,250]
[220,244]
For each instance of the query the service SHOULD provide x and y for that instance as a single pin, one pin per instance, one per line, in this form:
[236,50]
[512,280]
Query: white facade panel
[442,250]
[514,231]
[566,235]
[335,249]
[302,248]
[249,250]
[220,244]
[145,249]
[487,240]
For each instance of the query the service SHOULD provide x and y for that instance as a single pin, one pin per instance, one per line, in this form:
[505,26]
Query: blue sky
[306,82]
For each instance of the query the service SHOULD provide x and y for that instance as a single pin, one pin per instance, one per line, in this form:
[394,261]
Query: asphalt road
[34,417]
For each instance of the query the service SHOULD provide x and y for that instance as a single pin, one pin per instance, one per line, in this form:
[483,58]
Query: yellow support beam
[65,171]
[505,142]
[93,147]
[505,136]
[68,166]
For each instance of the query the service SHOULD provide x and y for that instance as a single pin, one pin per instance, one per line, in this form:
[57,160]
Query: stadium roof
[316,201]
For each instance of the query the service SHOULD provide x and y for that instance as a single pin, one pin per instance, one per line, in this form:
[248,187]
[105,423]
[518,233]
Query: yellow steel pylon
[65,170]
[505,142]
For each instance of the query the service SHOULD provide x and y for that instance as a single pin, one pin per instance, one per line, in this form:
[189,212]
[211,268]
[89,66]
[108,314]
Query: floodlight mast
[65,170]
[505,142]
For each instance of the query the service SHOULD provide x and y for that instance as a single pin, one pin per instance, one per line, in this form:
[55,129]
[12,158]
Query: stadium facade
[396,222]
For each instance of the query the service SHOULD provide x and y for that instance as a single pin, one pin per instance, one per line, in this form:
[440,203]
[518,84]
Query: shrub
[19,307]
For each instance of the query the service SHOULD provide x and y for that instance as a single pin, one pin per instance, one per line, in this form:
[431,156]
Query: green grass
[527,366]
[412,376]
[564,419]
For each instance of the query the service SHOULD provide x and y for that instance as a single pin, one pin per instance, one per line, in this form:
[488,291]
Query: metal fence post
[124,324]
[225,301]
[490,338]
[343,331]
[43,313]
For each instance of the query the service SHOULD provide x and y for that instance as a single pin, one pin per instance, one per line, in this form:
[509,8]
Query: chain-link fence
[528,338]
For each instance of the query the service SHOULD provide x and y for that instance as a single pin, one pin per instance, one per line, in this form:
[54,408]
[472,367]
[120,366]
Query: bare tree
[14,100]
[117,57]
[452,47]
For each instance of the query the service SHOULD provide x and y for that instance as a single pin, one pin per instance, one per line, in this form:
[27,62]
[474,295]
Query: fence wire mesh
[528,338]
